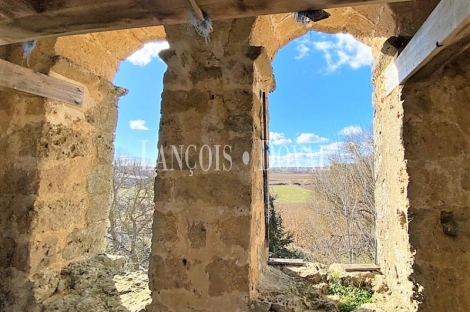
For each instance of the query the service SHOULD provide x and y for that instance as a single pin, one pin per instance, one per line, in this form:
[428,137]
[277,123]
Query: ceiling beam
[15,77]
[68,17]
[445,32]
[11,9]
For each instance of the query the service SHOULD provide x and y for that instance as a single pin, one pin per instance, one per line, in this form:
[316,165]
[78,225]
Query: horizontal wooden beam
[15,77]
[358,267]
[11,9]
[288,262]
[68,17]
[447,25]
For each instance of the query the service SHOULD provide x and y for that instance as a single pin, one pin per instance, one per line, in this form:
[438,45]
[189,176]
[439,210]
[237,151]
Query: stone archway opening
[136,136]
[321,146]
[208,248]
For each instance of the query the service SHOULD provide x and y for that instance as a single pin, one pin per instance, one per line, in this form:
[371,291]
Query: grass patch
[351,297]
[290,194]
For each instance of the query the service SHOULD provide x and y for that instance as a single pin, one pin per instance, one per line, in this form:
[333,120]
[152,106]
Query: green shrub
[351,297]
[279,239]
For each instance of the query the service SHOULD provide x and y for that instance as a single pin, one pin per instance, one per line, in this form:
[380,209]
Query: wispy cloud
[351,130]
[148,52]
[303,50]
[276,138]
[306,138]
[338,50]
[306,157]
[138,125]
[344,50]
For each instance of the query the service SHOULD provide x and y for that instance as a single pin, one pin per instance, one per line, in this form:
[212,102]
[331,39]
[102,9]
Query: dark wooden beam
[15,77]
[11,9]
[67,17]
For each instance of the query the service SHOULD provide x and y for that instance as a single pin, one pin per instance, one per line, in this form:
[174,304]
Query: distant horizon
[323,93]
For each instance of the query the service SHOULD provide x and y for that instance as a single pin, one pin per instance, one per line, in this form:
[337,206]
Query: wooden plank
[68,17]
[359,267]
[19,78]
[10,9]
[290,262]
[447,24]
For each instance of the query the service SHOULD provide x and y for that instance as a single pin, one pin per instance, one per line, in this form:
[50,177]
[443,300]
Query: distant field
[290,194]
[289,178]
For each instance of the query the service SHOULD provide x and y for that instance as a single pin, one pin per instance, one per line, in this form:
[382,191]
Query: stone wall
[436,134]
[208,248]
[208,243]
[55,164]
[55,180]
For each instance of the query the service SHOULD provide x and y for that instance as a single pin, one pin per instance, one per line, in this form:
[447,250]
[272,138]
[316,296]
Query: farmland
[290,194]
[289,178]
[293,198]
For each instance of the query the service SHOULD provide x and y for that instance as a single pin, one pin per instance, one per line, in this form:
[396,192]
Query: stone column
[436,134]
[423,189]
[208,243]
[55,178]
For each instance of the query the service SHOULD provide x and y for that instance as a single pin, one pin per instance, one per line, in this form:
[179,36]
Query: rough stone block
[60,142]
[15,180]
[197,234]
[169,273]
[43,252]
[235,231]
[226,276]
[57,215]
[98,208]
[85,241]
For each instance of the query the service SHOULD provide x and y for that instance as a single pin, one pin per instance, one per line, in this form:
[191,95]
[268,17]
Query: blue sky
[323,92]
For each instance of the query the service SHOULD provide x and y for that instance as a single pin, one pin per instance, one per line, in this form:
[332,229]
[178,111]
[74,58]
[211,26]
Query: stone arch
[32,164]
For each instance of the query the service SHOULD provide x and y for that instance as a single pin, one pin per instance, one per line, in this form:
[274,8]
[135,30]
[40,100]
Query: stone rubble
[99,285]
[305,288]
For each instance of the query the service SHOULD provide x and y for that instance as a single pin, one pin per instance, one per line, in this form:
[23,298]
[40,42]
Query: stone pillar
[208,243]
[436,135]
[55,178]
[423,191]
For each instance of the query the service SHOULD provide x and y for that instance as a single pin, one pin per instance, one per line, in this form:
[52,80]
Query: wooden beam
[358,267]
[22,79]
[447,25]
[289,262]
[68,17]
[11,9]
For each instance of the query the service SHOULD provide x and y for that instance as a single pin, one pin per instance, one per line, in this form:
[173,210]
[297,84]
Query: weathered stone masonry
[55,168]
[208,244]
[436,134]
[55,181]
[208,248]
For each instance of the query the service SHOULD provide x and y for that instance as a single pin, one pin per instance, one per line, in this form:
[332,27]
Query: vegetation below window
[351,297]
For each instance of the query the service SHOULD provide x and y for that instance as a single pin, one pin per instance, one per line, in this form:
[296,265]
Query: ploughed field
[293,198]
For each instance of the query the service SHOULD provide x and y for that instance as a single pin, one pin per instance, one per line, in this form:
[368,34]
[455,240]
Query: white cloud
[306,157]
[344,50]
[303,51]
[351,130]
[278,139]
[138,125]
[149,51]
[305,138]
[339,50]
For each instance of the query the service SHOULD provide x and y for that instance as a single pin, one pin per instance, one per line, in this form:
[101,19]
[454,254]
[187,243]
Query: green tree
[279,238]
